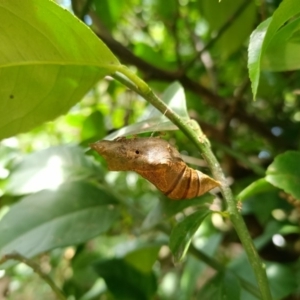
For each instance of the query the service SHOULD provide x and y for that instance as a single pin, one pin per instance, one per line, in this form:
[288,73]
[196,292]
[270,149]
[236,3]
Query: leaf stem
[192,130]
[36,268]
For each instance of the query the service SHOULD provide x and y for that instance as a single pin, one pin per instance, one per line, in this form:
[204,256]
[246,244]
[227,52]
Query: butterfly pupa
[157,161]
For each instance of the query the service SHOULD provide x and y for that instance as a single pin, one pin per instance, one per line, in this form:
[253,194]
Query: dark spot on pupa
[137,152]
[11,96]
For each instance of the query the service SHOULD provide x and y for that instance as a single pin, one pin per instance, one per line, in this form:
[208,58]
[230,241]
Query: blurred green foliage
[111,230]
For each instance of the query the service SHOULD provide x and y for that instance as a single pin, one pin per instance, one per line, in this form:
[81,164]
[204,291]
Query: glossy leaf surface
[46,48]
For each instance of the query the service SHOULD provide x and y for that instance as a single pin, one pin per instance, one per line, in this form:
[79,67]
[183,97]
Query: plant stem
[36,269]
[192,130]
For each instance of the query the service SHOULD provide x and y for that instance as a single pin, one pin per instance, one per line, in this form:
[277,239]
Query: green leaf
[255,53]
[224,285]
[72,214]
[137,250]
[48,168]
[182,233]
[126,282]
[153,120]
[110,11]
[167,208]
[152,56]
[49,60]
[262,36]
[284,173]
[257,187]
[263,203]
[93,127]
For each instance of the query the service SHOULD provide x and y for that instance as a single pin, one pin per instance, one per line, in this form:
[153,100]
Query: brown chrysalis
[157,161]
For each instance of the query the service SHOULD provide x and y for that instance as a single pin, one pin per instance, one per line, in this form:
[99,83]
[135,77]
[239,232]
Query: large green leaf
[284,173]
[261,39]
[72,214]
[126,282]
[49,60]
[49,168]
[182,233]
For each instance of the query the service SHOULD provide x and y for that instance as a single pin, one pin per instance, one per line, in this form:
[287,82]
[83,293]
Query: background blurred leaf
[146,253]
[282,278]
[126,282]
[93,127]
[109,11]
[72,214]
[49,168]
[222,286]
[218,13]
[60,63]
[284,174]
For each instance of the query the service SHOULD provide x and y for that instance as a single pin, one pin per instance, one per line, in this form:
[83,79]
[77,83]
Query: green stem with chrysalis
[192,130]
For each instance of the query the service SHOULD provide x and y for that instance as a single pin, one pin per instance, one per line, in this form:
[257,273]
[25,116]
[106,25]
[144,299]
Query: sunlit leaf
[49,60]
[49,168]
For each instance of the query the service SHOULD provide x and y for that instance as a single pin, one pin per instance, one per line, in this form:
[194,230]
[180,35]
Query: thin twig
[36,268]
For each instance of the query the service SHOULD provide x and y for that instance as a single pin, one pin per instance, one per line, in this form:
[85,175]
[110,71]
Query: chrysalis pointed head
[113,153]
